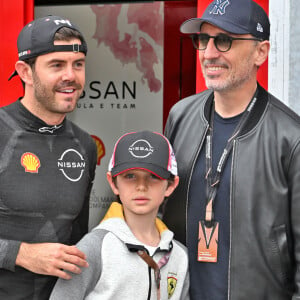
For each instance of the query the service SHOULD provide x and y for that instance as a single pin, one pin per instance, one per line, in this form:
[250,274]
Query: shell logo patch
[172,281]
[30,162]
[100,148]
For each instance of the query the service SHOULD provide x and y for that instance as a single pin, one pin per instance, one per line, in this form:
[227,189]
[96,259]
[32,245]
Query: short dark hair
[68,34]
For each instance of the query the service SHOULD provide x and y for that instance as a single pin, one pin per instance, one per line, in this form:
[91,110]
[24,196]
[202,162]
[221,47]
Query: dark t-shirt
[209,280]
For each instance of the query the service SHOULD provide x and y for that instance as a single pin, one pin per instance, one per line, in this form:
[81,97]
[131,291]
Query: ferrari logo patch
[172,281]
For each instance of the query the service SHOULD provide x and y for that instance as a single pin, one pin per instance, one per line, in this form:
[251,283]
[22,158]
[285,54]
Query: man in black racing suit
[47,164]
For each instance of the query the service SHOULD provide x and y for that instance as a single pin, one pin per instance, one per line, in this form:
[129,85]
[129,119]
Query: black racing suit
[46,175]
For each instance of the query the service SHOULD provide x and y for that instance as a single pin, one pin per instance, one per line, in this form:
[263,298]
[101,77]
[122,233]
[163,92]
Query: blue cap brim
[194,25]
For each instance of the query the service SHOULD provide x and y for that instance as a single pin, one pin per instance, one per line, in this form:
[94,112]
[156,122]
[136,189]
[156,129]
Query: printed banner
[124,78]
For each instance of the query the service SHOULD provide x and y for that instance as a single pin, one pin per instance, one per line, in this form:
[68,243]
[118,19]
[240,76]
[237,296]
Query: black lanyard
[212,182]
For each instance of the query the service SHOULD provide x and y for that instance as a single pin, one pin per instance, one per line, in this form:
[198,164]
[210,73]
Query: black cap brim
[12,75]
[156,170]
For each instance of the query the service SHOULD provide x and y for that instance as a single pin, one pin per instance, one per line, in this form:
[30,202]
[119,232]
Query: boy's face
[141,192]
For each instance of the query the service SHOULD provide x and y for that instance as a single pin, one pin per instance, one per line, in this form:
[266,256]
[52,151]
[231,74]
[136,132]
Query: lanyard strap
[212,183]
[155,266]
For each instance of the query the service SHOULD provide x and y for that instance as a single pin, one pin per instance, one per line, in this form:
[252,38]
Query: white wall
[284,59]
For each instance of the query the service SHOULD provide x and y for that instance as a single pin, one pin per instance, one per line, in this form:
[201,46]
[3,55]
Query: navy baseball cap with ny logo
[233,16]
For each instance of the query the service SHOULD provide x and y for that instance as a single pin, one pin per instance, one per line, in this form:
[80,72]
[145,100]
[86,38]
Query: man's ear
[263,49]
[24,71]
[111,183]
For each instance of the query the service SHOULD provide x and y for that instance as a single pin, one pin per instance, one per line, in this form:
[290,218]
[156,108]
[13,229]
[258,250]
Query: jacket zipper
[190,178]
[230,220]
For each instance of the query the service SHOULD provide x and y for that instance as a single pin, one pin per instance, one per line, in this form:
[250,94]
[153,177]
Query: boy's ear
[111,183]
[172,186]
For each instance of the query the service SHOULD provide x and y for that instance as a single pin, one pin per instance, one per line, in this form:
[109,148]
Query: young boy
[132,254]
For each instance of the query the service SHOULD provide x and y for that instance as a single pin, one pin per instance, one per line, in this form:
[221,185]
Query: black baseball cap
[37,38]
[146,150]
[234,16]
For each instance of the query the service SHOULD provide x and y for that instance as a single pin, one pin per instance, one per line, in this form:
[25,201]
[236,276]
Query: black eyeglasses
[222,41]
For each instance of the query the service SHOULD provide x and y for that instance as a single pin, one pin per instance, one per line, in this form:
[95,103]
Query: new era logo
[259,28]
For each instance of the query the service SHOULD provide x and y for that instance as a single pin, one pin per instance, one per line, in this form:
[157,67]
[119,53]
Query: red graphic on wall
[100,148]
[132,39]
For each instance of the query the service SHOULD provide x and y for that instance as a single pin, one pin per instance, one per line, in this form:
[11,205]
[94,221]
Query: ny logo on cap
[219,7]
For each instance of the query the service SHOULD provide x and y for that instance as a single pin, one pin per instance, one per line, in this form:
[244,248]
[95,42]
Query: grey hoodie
[117,272]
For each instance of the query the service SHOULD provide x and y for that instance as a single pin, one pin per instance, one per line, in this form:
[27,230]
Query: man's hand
[51,259]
